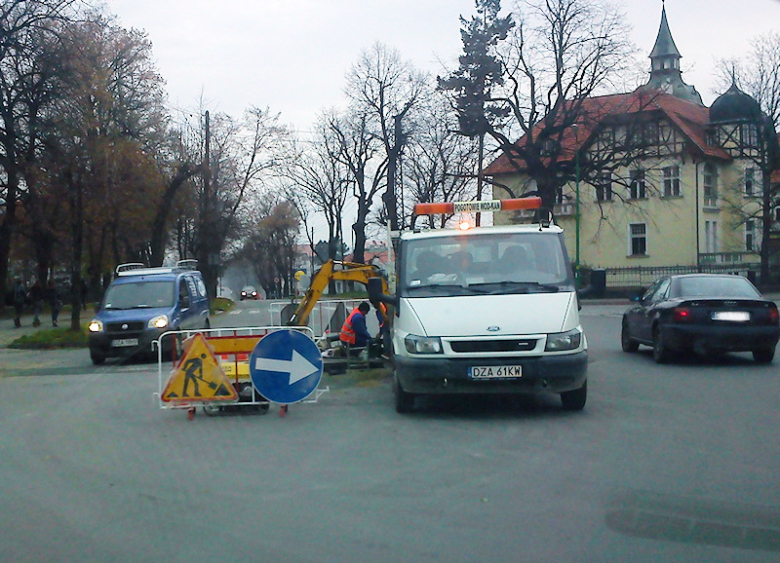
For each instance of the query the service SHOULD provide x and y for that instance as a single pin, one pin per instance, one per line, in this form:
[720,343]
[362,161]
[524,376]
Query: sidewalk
[8,333]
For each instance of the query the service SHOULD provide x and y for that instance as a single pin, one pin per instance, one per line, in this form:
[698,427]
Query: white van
[486,310]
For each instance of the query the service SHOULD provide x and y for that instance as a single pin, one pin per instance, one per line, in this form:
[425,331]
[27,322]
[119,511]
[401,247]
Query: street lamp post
[576,205]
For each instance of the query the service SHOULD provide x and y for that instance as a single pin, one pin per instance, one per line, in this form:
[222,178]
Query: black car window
[717,286]
[648,295]
[663,290]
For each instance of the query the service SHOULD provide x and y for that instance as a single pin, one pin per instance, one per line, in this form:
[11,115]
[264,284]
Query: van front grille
[135,326]
[471,346]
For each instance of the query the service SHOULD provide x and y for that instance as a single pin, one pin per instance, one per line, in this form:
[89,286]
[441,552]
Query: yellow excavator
[334,270]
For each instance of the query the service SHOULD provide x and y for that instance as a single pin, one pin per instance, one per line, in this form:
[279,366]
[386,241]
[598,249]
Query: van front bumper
[540,374]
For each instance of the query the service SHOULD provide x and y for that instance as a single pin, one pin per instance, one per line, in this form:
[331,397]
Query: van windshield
[140,295]
[485,264]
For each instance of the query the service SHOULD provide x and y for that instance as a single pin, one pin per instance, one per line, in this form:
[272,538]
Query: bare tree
[384,90]
[242,155]
[439,164]
[320,178]
[758,74]
[558,54]
[359,150]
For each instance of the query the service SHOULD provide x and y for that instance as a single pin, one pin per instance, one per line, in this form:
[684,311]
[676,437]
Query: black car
[702,313]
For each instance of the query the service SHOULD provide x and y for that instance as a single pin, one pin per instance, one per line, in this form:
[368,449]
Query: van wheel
[575,400]
[97,359]
[404,402]
[173,350]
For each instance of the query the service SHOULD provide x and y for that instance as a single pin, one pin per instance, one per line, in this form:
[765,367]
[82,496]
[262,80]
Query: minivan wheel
[575,400]
[97,359]
[404,402]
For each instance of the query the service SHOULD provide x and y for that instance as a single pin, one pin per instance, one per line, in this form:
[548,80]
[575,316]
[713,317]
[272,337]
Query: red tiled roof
[690,119]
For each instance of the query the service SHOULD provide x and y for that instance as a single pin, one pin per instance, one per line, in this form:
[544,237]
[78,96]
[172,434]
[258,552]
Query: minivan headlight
[95,326]
[422,345]
[160,322]
[561,341]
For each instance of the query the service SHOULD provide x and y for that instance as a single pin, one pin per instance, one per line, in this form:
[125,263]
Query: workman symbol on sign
[193,370]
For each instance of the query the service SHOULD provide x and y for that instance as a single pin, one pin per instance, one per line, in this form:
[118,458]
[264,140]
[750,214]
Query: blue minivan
[141,304]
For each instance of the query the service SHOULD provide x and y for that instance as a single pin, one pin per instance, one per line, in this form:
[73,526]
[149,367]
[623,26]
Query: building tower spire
[665,73]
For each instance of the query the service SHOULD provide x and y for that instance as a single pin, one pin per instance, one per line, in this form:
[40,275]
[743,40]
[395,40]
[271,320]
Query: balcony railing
[741,258]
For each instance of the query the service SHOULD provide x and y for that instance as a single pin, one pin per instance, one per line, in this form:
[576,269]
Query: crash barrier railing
[209,368]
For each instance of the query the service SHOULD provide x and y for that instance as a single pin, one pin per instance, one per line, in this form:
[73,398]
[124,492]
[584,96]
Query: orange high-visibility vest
[347,332]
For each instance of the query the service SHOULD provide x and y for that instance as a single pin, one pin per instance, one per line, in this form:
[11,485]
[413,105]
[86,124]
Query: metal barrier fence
[327,316]
[640,276]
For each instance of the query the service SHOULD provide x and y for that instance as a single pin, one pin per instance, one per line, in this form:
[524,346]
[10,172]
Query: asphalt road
[666,463]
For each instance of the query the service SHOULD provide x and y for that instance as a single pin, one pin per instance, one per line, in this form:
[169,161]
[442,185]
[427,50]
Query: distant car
[249,292]
[702,313]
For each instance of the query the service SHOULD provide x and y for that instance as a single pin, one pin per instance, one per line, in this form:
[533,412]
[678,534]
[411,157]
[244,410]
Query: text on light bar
[477,206]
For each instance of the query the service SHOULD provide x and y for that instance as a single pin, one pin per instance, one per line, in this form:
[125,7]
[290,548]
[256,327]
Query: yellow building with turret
[691,194]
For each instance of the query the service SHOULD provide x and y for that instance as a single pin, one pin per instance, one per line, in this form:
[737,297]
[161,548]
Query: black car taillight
[681,314]
[774,318]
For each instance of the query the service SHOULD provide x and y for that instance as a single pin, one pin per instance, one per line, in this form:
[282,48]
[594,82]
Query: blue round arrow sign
[285,366]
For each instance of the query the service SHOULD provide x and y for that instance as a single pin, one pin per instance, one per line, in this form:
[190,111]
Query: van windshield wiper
[522,287]
[451,286]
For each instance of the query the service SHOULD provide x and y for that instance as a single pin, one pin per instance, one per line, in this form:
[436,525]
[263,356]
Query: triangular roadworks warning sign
[198,376]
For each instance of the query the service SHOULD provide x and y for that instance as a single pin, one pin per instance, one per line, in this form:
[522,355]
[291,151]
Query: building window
[604,187]
[750,235]
[637,186]
[710,182]
[749,135]
[637,239]
[671,181]
[710,236]
[749,182]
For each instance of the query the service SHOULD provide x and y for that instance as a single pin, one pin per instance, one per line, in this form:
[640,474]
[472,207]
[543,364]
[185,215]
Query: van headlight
[422,345]
[95,326]
[160,322]
[561,341]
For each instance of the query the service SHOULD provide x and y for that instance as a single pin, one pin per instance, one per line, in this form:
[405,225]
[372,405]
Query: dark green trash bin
[598,282]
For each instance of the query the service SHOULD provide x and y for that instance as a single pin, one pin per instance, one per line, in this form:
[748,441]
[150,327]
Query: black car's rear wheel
[661,352]
[626,342]
[764,356]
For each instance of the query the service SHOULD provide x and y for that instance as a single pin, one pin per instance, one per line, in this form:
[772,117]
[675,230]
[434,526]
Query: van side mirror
[375,294]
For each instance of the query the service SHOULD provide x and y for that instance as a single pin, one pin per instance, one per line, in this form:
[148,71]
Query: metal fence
[640,276]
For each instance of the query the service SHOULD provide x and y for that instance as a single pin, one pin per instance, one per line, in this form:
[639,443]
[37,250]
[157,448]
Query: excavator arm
[334,270]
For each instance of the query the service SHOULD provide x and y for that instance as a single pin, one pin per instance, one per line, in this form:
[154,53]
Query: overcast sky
[292,55]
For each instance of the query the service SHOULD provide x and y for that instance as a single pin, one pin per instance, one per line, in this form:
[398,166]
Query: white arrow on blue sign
[285,366]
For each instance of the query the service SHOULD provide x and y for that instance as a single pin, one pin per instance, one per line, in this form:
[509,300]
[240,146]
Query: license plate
[124,342]
[495,372]
[733,316]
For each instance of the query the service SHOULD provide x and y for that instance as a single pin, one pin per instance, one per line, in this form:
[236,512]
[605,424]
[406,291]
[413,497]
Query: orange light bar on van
[477,206]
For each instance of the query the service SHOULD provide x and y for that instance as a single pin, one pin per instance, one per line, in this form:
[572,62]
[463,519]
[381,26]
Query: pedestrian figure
[54,301]
[36,297]
[20,295]
[193,370]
